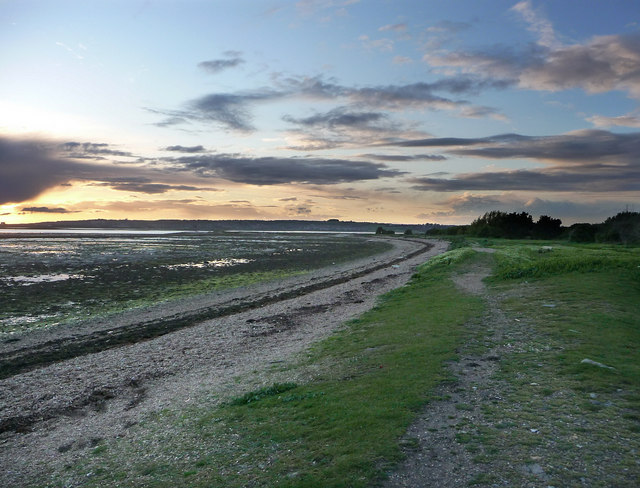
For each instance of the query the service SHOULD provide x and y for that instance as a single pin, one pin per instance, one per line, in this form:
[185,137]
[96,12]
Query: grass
[586,302]
[341,428]
[576,423]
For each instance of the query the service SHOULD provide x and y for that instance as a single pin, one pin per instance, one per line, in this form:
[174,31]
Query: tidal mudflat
[48,280]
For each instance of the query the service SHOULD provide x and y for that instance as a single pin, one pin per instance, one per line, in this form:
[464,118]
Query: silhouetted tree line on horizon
[623,228]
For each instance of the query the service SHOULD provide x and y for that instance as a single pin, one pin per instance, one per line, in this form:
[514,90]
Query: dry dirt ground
[52,414]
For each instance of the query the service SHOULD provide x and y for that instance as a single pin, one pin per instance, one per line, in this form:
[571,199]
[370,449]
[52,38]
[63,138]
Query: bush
[582,233]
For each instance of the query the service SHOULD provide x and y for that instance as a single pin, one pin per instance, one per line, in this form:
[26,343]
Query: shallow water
[52,279]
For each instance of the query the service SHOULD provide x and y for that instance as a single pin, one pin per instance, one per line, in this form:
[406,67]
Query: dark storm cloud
[58,210]
[29,167]
[274,171]
[186,149]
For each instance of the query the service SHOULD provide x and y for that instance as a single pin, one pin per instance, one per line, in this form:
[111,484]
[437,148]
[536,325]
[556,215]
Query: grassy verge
[334,418]
[340,427]
[564,421]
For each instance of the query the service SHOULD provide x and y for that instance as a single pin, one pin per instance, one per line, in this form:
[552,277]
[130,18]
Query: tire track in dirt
[20,360]
[91,393]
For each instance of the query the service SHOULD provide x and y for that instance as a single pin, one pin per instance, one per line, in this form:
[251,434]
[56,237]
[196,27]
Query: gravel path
[436,453]
[51,416]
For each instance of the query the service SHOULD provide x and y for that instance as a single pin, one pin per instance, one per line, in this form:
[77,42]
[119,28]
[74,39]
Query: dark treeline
[623,228]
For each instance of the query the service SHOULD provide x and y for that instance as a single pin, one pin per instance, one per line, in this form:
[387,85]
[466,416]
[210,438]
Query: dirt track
[109,375]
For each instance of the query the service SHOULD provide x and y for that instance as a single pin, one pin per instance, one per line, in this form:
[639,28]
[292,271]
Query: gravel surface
[51,416]
[436,453]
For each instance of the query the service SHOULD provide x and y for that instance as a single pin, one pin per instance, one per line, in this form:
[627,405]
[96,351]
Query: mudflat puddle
[52,279]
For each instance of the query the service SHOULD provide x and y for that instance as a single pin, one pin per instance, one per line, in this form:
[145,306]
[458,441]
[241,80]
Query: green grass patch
[267,391]
[586,302]
[343,428]
[578,420]
[543,259]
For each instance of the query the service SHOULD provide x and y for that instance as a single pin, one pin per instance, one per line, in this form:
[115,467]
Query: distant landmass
[331,225]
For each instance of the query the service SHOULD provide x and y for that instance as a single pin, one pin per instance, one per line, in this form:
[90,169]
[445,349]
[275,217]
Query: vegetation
[46,282]
[382,231]
[576,421]
[551,420]
[622,228]
[341,427]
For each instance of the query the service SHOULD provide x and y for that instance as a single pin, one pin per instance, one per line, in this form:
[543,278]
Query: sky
[366,110]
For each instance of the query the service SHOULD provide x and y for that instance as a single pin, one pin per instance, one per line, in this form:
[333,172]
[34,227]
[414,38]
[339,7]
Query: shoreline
[101,395]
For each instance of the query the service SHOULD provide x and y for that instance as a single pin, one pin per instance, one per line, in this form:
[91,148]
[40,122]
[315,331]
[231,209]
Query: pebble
[595,363]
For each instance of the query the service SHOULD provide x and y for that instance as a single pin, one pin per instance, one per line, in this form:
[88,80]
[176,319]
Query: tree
[547,227]
[501,224]
[582,233]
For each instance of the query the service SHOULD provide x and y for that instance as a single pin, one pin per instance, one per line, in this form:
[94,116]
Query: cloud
[402,60]
[233,110]
[629,120]
[91,150]
[582,147]
[187,207]
[302,210]
[344,126]
[587,160]
[142,185]
[393,27]
[537,23]
[598,65]
[29,167]
[339,118]
[275,171]
[405,157]
[395,97]
[215,66]
[310,7]
[459,141]
[74,52]
[384,44]
[478,112]
[58,210]
[596,179]
[186,149]
[449,26]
